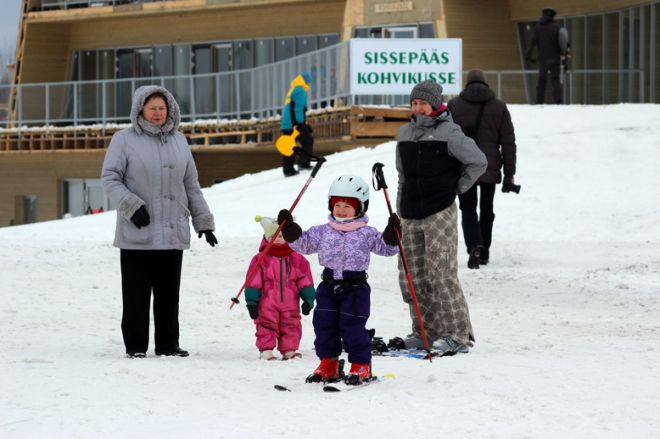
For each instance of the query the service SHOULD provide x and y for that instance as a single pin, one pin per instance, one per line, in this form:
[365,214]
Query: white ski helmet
[351,186]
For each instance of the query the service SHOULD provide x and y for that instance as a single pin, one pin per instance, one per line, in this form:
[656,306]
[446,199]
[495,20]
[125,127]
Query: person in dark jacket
[545,35]
[486,119]
[150,174]
[435,161]
[293,116]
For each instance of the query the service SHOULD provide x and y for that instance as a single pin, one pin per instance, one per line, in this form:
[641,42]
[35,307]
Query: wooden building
[84,40]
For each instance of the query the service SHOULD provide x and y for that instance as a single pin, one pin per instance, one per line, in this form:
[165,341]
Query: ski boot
[378,346]
[267,355]
[359,373]
[328,371]
[291,355]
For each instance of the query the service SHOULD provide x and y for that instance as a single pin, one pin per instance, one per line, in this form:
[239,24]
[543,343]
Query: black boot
[136,355]
[483,260]
[290,173]
[176,352]
[475,257]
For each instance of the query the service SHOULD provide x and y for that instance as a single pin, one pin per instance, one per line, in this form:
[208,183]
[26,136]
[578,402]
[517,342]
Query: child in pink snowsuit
[273,295]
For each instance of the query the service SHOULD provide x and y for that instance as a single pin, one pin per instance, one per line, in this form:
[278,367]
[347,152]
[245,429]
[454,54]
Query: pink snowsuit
[280,279]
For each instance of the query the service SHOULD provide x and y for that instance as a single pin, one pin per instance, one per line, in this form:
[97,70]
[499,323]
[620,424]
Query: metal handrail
[252,93]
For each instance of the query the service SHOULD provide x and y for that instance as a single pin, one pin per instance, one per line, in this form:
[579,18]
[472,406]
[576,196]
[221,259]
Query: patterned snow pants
[431,245]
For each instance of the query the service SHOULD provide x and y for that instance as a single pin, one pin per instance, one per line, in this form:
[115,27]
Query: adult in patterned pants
[435,161]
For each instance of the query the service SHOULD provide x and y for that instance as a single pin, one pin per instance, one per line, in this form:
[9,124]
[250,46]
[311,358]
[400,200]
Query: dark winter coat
[496,137]
[435,161]
[546,36]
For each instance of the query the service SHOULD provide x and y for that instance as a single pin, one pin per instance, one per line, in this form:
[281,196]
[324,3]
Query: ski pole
[319,162]
[378,181]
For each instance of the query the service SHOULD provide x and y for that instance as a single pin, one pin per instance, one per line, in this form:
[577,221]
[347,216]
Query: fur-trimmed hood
[173,112]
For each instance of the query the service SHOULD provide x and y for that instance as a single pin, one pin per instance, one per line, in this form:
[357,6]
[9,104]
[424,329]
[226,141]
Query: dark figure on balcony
[546,36]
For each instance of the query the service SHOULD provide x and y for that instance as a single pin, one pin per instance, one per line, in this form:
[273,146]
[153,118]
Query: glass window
[124,88]
[328,40]
[284,48]
[222,58]
[243,58]
[264,52]
[163,64]
[180,87]
[400,32]
[612,58]
[143,66]
[594,59]
[87,99]
[107,67]
[204,92]
[305,44]
[426,30]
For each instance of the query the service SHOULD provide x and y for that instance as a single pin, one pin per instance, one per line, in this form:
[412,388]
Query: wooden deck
[347,123]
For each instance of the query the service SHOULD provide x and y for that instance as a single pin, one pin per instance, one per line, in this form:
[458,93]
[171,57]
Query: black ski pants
[478,228]
[306,142]
[553,67]
[144,272]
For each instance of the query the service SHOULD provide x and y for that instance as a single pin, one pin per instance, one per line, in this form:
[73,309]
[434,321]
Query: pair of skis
[336,386]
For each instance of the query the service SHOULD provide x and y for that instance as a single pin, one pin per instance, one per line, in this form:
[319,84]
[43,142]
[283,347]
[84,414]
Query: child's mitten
[390,232]
[254,311]
[291,230]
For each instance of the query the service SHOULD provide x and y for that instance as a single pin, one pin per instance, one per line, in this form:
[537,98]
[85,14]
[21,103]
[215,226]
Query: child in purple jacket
[344,245]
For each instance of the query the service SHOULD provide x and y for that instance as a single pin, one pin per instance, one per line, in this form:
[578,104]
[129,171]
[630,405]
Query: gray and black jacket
[545,35]
[495,135]
[152,166]
[435,161]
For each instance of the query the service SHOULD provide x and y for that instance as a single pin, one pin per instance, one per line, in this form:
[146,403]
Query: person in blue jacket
[293,115]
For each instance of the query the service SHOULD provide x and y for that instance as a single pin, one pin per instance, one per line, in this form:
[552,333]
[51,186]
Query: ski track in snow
[566,316]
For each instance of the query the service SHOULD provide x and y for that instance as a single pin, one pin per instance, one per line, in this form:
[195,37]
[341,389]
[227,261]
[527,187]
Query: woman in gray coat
[150,174]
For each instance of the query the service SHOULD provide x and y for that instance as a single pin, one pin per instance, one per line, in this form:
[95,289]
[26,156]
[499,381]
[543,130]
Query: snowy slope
[567,315]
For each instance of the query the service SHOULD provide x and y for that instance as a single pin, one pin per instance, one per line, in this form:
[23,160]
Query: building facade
[78,62]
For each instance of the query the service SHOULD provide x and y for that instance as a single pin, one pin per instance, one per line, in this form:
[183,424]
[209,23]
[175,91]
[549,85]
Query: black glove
[141,217]
[305,308]
[530,60]
[291,231]
[210,237]
[509,186]
[254,311]
[390,232]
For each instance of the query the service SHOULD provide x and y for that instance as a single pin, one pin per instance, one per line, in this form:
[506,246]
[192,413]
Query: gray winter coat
[436,161]
[153,166]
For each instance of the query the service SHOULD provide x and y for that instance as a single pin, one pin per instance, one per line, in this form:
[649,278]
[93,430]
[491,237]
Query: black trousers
[306,141]
[144,272]
[554,68]
[478,228]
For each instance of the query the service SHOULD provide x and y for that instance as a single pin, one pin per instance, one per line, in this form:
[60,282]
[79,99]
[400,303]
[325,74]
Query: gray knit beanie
[428,90]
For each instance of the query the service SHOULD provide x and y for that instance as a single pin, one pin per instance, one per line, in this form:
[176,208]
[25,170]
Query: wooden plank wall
[41,174]
[526,10]
[489,36]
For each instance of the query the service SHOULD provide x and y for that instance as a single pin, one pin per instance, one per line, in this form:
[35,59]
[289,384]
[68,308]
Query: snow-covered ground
[567,315]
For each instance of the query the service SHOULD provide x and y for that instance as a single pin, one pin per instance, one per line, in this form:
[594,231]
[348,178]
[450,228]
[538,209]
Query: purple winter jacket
[343,251]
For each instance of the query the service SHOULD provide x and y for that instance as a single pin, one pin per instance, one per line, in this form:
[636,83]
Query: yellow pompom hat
[269,224]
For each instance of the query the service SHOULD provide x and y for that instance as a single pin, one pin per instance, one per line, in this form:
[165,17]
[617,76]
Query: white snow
[567,315]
